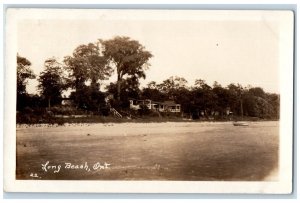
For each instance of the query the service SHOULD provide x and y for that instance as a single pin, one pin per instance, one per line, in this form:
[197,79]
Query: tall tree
[204,98]
[172,85]
[222,97]
[23,74]
[128,57]
[52,82]
[261,104]
[236,96]
[201,84]
[152,92]
[85,65]
[129,89]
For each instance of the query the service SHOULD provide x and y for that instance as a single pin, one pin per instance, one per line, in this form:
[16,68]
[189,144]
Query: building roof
[167,103]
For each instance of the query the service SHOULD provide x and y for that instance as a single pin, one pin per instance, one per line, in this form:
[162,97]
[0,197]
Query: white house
[167,106]
[136,104]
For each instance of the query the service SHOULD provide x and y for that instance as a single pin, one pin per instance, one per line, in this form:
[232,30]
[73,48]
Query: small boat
[240,123]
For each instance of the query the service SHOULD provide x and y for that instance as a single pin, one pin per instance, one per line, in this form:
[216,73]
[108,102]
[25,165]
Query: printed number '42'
[34,175]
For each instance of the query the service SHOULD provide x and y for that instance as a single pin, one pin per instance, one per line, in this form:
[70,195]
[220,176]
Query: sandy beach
[148,151]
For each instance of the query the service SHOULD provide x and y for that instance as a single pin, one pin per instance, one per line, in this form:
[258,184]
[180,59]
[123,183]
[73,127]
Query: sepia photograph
[149,97]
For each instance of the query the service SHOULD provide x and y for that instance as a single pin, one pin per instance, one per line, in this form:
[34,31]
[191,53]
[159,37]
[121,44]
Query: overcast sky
[226,51]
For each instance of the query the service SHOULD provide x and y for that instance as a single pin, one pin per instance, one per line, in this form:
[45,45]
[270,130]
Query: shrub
[144,110]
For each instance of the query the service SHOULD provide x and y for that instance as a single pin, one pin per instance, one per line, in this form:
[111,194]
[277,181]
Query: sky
[226,51]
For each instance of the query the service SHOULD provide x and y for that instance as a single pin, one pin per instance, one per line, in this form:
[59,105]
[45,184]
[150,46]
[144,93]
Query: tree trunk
[94,85]
[49,103]
[119,88]
[242,112]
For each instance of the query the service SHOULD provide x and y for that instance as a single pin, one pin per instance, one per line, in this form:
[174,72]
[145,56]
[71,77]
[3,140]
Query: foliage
[28,101]
[23,74]
[92,63]
[144,110]
[52,82]
[204,100]
[153,94]
[128,57]
[89,98]
[85,65]
[171,86]
[129,89]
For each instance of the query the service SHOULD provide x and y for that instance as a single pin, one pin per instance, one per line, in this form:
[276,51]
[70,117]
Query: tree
[174,88]
[85,65]
[274,101]
[260,104]
[236,95]
[172,85]
[52,82]
[89,99]
[257,91]
[201,84]
[152,85]
[222,97]
[203,97]
[129,89]
[152,92]
[184,97]
[23,74]
[128,57]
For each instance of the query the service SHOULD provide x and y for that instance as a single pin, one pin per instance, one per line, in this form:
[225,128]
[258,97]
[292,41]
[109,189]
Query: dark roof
[167,103]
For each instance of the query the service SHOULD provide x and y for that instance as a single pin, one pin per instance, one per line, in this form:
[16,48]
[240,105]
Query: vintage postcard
[148,101]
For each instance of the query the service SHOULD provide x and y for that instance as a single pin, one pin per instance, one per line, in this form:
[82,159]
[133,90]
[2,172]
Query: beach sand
[205,151]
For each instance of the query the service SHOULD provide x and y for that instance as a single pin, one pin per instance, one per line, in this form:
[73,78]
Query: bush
[104,111]
[144,110]
[64,110]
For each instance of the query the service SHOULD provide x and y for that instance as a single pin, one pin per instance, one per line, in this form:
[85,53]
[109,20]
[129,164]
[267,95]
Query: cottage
[136,104]
[167,106]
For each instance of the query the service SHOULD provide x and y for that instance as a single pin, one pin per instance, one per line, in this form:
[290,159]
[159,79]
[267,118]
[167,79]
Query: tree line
[83,72]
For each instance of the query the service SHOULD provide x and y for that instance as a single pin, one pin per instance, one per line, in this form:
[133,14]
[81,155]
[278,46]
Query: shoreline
[107,124]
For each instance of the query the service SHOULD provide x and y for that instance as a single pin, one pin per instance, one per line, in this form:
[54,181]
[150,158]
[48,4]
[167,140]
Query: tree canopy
[23,74]
[248,101]
[52,82]
[85,65]
[128,57]
[92,63]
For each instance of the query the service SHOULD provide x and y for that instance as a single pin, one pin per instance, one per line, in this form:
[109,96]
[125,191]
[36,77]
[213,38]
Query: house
[167,106]
[136,104]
